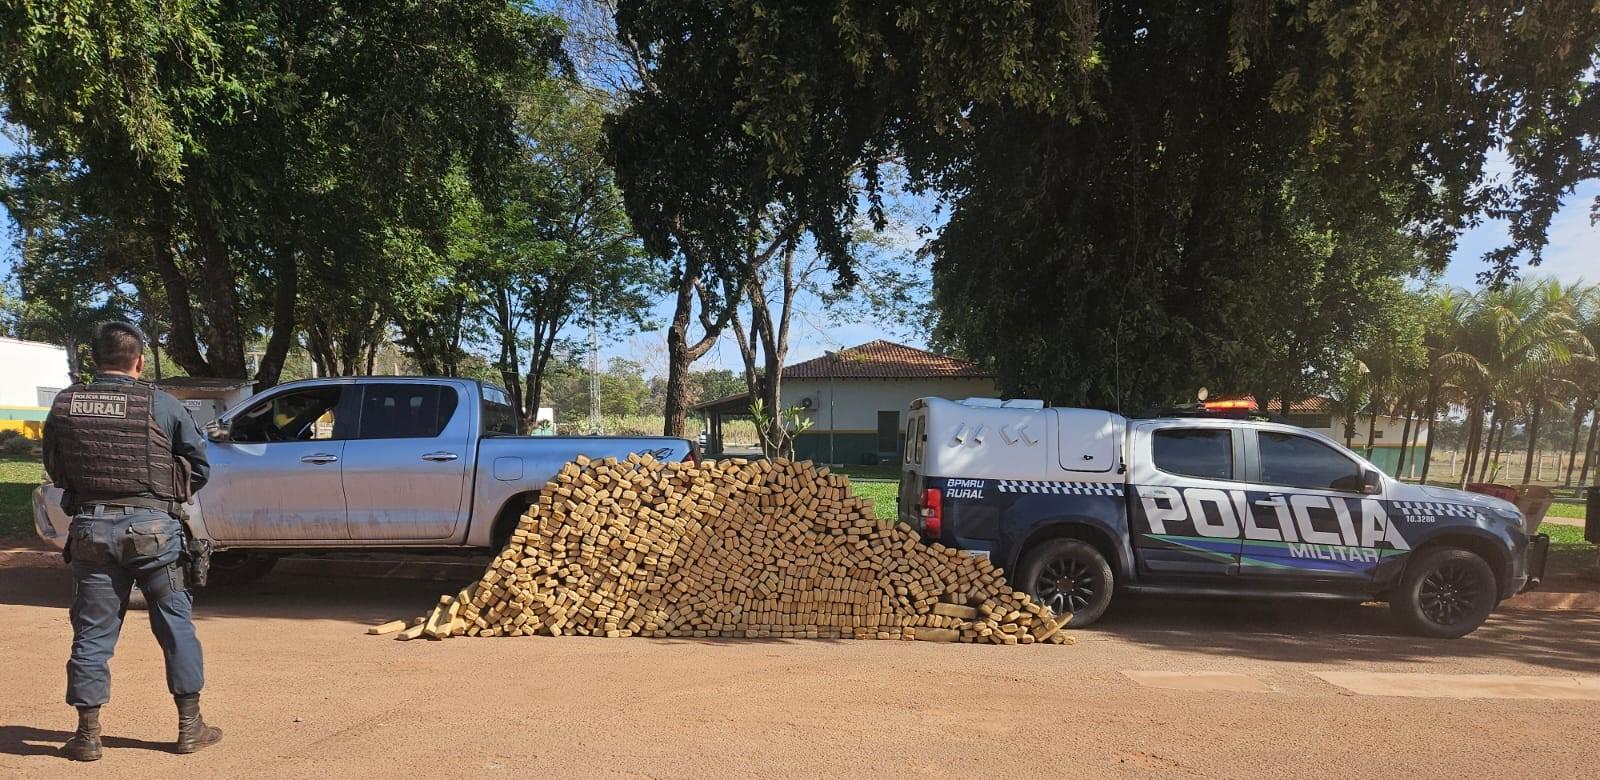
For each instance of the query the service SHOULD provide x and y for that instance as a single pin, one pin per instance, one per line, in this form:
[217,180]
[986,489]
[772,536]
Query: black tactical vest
[109,445]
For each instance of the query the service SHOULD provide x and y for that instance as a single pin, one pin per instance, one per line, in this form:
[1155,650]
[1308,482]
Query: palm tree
[1506,348]
[1540,374]
[1445,313]
[1586,376]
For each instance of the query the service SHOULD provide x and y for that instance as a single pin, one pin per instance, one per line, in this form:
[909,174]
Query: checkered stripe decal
[1435,508]
[1060,488]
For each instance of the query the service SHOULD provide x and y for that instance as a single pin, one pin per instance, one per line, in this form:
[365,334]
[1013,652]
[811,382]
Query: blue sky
[1573,255]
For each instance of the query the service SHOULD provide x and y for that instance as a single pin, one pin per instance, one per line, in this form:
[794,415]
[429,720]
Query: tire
[506,521]
[1447,593]
[229,569]
[1046,569]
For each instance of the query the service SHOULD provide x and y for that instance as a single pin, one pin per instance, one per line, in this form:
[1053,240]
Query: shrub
[15,445]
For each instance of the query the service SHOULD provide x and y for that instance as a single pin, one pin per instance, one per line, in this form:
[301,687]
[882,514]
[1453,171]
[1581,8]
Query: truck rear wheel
[1068,575]
[1446,593]
[238,568]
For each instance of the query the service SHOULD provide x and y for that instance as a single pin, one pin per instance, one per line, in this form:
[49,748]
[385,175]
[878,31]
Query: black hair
[117,346]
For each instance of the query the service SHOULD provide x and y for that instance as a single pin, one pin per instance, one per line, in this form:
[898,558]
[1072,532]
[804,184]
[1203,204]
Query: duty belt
[127,502]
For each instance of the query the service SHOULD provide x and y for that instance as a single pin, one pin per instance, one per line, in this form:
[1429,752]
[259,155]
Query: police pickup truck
[1078,504]
[369,463]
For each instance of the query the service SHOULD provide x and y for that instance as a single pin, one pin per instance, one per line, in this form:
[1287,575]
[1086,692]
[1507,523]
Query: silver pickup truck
[369,463]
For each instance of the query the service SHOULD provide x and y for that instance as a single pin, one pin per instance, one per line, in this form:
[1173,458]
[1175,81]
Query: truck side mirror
[1371,482]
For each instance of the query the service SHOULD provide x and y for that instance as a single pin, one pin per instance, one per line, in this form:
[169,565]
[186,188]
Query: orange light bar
[1235,403]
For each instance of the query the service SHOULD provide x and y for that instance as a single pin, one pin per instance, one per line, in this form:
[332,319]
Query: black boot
[193,733]
[85,744]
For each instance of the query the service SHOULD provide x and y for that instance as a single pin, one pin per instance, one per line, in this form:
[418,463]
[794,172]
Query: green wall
[36,413]
[849,448]
[1387,458]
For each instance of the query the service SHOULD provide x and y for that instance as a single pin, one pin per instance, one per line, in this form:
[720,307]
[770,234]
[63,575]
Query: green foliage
[1144,198]
[623,390]
[553,243]
[779,427]
[243,153]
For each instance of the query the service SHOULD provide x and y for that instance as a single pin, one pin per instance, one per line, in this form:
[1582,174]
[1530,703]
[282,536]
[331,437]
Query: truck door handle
[440,457]
[319,458]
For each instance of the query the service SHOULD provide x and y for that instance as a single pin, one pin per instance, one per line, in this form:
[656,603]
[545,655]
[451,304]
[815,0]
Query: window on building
[889,431]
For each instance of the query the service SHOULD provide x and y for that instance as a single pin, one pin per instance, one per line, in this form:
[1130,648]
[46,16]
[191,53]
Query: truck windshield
[499,418]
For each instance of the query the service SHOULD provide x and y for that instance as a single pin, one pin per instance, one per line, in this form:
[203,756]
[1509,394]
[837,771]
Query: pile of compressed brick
[731,548]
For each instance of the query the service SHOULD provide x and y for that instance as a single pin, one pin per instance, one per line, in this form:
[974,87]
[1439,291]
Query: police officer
[127,456]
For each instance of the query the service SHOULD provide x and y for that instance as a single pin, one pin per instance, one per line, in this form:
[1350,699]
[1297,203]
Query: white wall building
[857,399]
[31,373]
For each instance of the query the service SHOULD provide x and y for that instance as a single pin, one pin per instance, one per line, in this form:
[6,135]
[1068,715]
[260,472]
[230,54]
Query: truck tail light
[932,511]
[692,456]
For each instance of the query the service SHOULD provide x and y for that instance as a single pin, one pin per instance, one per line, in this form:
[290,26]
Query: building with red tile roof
[857,399]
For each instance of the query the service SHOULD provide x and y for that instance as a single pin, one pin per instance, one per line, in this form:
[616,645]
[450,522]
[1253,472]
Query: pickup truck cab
[1079,504]
[369,463]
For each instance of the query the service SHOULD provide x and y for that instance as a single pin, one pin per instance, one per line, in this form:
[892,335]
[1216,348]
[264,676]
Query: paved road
[1161,689]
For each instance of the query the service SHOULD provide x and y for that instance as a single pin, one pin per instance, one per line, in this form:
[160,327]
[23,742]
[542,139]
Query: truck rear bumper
[1538,555]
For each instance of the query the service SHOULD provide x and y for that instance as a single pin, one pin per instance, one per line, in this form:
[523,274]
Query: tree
[772,296]
[1506,340]
[555,244]
[1121,176]
[237,143]
[1586,377]
[1538,383]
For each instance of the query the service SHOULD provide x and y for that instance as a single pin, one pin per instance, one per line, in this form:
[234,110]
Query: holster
[196,552]
[196,559]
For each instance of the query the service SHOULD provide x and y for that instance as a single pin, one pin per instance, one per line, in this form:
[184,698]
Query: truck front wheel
[1068,575]
[1446,593]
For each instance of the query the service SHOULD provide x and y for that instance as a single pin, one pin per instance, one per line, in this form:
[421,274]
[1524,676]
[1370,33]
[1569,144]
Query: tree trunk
[1372,425]
[224,331]
[1497,448]
[1474,437]
[1589,450]
[1405,438]
[1579,411]
[284,296]
[1429,411]
[1533,440]
[1486,445]
[182,344]
[681,354]
[543,346]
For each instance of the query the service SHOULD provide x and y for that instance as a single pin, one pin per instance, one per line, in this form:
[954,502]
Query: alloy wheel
[1449,593]
[1066,585]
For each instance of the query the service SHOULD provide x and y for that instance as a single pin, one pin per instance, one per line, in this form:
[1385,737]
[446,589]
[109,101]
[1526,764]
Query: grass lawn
[890,471]
[1566,510]
[18,478]
[1568,550]
[883,495]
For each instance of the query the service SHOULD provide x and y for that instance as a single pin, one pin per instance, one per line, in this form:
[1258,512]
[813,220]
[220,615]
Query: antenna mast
[594,373]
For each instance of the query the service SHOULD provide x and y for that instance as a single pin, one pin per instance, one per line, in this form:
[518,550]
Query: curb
[1555,601]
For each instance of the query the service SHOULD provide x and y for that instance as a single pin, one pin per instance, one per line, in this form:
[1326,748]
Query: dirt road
[301,692]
